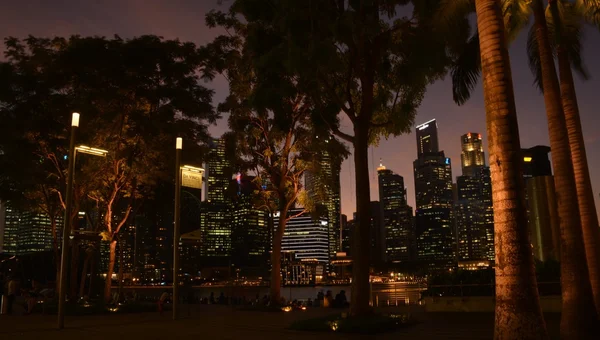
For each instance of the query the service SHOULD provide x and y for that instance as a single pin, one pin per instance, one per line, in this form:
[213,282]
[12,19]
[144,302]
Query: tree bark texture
[360,298]
[578,317]
[518,314]
[275,287]
[109,272]
[585,195]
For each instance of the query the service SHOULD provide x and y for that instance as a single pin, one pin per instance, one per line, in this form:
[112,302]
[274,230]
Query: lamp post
[67,224]
[67,230]
[176,227]
[189,176]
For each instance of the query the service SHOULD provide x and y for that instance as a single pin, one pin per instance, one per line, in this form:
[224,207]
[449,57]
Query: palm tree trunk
[585,195]
[109,272]
[578,315]
[518,311]
[275,287]
[359,301]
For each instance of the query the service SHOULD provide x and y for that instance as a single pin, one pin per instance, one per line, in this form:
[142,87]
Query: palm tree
[575,279]
[578,315]
[518,311]
[566,18]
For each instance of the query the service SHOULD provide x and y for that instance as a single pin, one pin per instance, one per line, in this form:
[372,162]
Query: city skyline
[185,20]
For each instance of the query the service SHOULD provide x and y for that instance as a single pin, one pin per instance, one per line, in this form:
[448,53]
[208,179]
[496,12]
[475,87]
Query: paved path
[219,322]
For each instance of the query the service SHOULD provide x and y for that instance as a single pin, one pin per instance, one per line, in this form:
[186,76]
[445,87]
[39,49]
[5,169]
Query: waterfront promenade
[224,322]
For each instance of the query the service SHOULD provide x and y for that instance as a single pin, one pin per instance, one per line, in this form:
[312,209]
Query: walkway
[220,322]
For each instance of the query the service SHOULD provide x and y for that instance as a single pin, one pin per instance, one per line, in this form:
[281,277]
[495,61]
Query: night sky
[185,20]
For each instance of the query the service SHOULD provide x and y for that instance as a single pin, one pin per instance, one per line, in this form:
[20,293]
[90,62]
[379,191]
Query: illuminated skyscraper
[473,209]
[397,217]
[434,199]
[215,217]
[542,209]
[427,138]
[25,232]
[305,236]
[324,189]
[472,156]
[218,172]
[9,226]
[250,233]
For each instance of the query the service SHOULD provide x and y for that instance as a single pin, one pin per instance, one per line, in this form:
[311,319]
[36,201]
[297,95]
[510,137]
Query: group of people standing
[10,290]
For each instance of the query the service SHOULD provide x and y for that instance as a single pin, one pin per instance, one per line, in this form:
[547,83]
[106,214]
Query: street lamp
[91,151]
[67,217]
[191,176]
[67,223]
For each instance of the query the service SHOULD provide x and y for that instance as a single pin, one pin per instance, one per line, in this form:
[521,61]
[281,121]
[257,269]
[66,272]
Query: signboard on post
[191,178]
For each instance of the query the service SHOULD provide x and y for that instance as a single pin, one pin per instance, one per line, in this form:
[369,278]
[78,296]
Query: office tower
[34,233]
[427,138]
[346,237]
[471,237]
[542,209]
[397,217]
[343,228]
[473,207]
[434,200]
[472,157]
[250,232]
[218,172]
[215,217]
[305,236]
[323,187]
[10,227]
[215,226]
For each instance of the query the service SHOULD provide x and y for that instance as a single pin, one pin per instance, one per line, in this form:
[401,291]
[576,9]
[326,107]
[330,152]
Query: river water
[381,293]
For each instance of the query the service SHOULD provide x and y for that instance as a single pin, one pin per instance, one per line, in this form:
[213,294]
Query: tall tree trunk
[275,287]
[74,270]
[585,195]
[111,267]
[92,272]
[84,274]
[578,315]
[359,300]
[120,276]
[518,311]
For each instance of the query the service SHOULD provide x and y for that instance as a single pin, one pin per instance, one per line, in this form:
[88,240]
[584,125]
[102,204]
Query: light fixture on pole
[67,228]
[187,176]
[91,151]
[67,223]
[176,230]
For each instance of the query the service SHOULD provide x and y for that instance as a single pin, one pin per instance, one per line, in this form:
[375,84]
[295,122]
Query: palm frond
[466,71]
[450,13]
[533,57]
[565,25]
[590,10]
[516,15]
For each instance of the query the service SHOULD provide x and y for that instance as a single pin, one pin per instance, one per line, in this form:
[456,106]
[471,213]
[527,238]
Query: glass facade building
[324,190]
[434,199]
[306,236]
[397,217]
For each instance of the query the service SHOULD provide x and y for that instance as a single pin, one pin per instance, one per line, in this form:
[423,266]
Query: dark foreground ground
[222,322]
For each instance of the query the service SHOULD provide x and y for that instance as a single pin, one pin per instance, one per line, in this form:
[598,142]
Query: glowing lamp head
[75,119]
[179,143]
